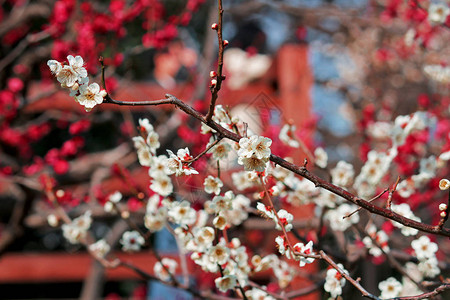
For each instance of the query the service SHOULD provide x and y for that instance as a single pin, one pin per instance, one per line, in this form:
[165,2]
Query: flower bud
[212,74]
[256,260]
[75,86]
[125,214]
[444,184]
[214,26]
[59,193]
[108,207]
[220,222]
[442,206]
[274,191]
[52,220]
[213,82]
[443,214]
[225,43]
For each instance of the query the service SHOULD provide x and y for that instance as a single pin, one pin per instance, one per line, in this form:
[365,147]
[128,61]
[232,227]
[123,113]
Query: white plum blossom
[157,220]
[438,73]
[220,222]
[153,141]
[156,215]
[205,129]
[283,247]
[327,199]
[263,263]
[321,157]
[132,241]
[409,287]
[77,64]
[67,76]
[287,136]
[282,218]
[334,281]
[52,220]
[444,156]
[285,219]
[222,203]
[254,153]
[444,184]
[424,248]
[212,185]
[55,66]
[165,268]
[113,199]
[221,150]
[147,144]
[238,212]
[244,179]
[429,267]
[404,210]
[304,249]
[380,130]
[226,282]
[284,273]
[219,254]
[90,96]
[406,188]
[300,192]
[342,175]
[428,166]
[204,236]
[159,166]
[438,12]
[162,185]
[77,229]
[176,163]
[266,210]
[380,238]
[100,248]
[337,220]
[182,213]
[144,155]
[390,288]
[222,117]
[257,294]
[145,126]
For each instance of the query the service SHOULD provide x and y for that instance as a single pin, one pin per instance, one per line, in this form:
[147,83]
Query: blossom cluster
[254,153]
[74,77]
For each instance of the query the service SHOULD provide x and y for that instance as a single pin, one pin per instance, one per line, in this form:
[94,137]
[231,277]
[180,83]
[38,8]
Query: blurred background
[329,67]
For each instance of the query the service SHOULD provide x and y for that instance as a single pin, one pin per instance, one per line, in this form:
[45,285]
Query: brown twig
[391,193]
[302,171]
[373,199]
[210,146]
[216,88]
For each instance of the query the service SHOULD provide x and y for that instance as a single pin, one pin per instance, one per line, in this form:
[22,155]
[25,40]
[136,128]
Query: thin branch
[391,193]
[439,290]
[216,88]
[302,171]
[373,199]
[189,161]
